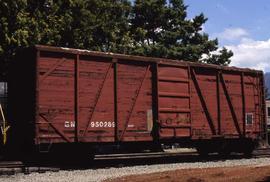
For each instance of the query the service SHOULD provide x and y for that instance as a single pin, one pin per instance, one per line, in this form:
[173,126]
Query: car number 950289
[102,124]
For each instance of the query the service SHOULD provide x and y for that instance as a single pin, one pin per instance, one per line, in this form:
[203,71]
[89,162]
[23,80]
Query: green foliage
[148,27]
[221,58]
[161,28]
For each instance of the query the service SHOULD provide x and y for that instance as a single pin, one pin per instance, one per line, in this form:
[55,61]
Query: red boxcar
[71,96]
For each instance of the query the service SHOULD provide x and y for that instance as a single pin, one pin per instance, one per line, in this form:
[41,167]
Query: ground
[228,174]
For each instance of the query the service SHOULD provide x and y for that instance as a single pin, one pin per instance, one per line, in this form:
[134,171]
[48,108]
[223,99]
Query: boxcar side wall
[226,103]
[202,103]
[95,98]
[174,100]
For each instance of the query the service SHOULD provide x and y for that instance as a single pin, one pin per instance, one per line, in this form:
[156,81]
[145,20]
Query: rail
[120,160]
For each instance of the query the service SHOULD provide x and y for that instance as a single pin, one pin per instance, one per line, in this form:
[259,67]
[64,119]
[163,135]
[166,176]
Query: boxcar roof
[141,58]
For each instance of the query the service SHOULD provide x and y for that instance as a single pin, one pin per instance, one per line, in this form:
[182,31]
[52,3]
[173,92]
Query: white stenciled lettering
[72,124]
[131,126]
[66,124]
[109,124]
[92,124]
[102,124]
[69,124]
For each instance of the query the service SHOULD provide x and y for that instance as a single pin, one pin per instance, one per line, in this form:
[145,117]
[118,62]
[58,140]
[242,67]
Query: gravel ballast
[95,175]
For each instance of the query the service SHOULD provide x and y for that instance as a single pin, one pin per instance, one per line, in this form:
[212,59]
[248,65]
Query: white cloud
[231,34]
[250,53]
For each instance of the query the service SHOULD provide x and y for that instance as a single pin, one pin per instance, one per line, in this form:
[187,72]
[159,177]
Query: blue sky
[240,25]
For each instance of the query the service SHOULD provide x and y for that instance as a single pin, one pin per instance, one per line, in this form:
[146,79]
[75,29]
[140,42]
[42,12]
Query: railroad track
[261,152]
[11,164]
[120,160]
[258,153]
[14,167]
[144,155]
[11,167]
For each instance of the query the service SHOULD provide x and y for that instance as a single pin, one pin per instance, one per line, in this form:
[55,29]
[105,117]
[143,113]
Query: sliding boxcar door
[173,101]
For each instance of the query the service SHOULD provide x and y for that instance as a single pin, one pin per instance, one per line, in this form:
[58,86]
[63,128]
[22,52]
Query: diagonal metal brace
[207,113]
[229,100]
[97,98]
[134,103]
[43,77]
[55,128]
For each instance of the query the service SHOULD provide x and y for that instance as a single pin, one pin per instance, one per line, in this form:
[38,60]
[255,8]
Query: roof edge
[141,58]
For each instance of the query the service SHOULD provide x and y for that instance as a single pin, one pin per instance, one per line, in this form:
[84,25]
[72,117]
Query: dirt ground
[229,174]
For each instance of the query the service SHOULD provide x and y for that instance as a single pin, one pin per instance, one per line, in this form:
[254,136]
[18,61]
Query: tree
[157,28]
[97,25]
[88,24]
[24,23]
[10,36]
[221,58]
[161,29]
